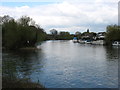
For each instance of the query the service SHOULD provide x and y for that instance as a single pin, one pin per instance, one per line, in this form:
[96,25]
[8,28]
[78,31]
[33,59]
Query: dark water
[64,64]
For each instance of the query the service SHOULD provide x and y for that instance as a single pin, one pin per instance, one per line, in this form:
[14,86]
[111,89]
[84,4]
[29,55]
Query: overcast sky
[65,15]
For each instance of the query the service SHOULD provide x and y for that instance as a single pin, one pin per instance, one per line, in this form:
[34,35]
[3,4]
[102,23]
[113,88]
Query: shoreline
[28,48]
[19,83]
[23,48]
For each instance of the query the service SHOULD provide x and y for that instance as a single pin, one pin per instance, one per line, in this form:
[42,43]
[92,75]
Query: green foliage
[41,35]
[61,36]
[11,34]
[113,33]
[25,21]
[64,36]
[64,33]
[22,33]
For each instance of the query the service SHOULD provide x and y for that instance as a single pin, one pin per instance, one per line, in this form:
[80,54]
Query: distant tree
[64,36]
[77,33]
[64,33]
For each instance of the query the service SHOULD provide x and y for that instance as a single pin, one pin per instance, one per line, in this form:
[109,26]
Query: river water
[64,64]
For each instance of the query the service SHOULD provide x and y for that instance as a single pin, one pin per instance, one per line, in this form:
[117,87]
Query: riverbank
[19,83]
[23,48]
[28,48]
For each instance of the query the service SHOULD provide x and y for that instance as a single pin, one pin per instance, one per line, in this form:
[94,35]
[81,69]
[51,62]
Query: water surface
[64,64]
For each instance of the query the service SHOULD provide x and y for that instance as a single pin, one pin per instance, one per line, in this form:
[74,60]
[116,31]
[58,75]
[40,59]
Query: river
[64,64]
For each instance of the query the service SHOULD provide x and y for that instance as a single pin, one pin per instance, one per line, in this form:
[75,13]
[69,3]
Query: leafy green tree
[11,34]
[25,20]
[5,18]
[112,33]
[21,33]
[64,36]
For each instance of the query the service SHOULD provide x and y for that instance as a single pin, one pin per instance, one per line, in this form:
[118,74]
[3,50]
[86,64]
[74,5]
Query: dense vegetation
[64,36]
[20,33]
[61,36]
[112,34]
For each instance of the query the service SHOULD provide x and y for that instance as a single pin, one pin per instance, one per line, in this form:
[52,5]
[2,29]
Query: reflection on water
[21,63]
[65,64]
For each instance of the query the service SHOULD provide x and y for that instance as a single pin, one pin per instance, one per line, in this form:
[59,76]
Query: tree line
[20,33]
[63,35]
[24,32]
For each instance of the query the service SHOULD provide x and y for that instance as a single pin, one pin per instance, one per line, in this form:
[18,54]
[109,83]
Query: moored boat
[75,40]
[81,41]
[98,42]
[88,42]
[116,43]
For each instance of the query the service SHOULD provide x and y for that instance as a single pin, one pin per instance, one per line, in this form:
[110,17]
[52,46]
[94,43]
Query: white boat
[98,42]
[116,43]
[88,42]
[81,41]
[75,40]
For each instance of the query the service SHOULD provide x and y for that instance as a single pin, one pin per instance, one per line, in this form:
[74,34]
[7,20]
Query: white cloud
[69,16]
